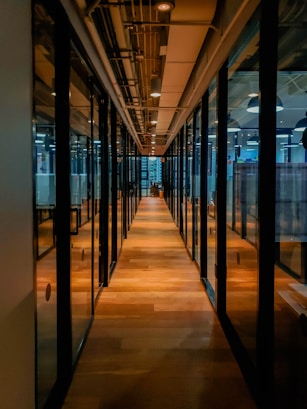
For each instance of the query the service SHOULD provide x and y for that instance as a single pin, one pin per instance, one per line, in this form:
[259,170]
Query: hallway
[156,341]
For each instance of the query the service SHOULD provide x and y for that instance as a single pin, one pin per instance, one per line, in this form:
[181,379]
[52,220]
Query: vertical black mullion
[266,200]
[104,210]
[204,185]
[62,221]
[222,96]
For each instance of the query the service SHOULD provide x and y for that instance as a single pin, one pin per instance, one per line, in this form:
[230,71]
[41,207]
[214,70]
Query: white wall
[17,348]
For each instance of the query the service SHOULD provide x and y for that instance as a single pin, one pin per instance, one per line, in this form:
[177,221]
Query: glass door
[197,181]
[189,185]
[241,188]
[81,183]
[44,170]
[211,185]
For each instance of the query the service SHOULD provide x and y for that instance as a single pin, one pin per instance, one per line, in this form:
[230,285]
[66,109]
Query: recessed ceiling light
[164,6]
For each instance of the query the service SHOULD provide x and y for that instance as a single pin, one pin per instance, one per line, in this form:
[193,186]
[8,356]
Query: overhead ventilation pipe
[112,86]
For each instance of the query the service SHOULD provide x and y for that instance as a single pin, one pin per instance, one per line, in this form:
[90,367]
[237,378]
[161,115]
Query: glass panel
[144,177]
[242,172]
[119,153]
[211,186]
[81,194]
[189,191]
[184,185]
[291,207]
[97,190]
[197,185]
[131,180]
[110,169]
[44,170]
[175,178]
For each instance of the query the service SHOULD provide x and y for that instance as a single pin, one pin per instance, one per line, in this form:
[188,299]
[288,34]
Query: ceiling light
[154,117]
[283,133]
[253,140]
[253,105]
[301,125]
[164,6]
[53,87]
[155,86]
[290,145]
[232,125]
[253,89]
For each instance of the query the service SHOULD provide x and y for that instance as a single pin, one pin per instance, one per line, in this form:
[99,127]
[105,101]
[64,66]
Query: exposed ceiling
[142,43]
[136,43]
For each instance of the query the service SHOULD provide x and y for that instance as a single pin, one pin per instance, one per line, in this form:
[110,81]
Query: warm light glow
[154,118]
[155,87]
[164,6]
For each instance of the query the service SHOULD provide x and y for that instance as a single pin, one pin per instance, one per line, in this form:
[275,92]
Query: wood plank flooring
[156,341]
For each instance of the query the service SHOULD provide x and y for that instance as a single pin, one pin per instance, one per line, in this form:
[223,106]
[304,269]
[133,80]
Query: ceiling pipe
[129,67]
[101,62]
[173,23]
[114,82]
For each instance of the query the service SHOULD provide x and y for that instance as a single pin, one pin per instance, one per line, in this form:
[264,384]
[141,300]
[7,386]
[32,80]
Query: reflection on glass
[189,186]
[291,206]
[110,237]
[184,185]
[97,194]
[81,196]
[44,146]
[197,165]
[119,153]
[241,188]
[175,181]
[211,187]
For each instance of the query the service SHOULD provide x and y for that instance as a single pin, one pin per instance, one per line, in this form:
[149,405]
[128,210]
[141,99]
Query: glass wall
[130,153]
[197,164]
[81,157]
[183,143]
[241,187]
[291,207]
[44,152]
[175,212]
[189,184]
[109,199]
[132,163]
[96,172]
[211,185]
[119,184]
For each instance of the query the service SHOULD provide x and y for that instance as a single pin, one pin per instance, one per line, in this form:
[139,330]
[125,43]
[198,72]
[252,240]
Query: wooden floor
[156,341]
